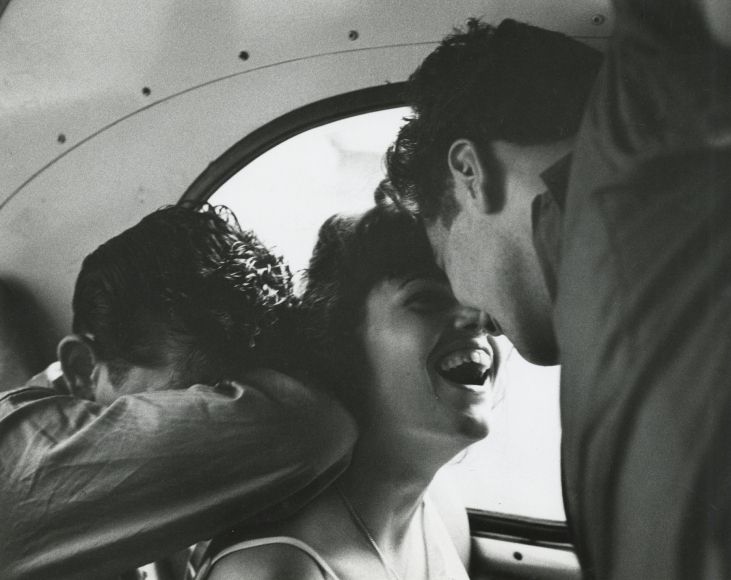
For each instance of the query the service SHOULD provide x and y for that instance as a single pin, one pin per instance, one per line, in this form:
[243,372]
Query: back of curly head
[514,82]
[353,255]
[186,285]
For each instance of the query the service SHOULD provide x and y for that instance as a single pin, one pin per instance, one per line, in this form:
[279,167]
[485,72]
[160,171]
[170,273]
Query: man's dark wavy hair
[351,256]
[514,82]
[187,286]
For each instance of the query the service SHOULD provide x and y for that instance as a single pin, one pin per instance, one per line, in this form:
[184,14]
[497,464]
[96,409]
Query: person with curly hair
[417,372]
[171,413]
[495,109]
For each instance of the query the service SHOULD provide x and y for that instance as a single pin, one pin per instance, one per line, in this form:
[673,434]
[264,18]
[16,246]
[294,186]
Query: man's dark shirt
[547,211]
[638,257]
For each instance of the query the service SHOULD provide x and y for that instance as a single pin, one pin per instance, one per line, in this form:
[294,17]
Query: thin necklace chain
[371,540]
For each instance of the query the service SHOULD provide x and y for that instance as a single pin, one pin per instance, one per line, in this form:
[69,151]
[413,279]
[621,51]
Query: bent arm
[90,490]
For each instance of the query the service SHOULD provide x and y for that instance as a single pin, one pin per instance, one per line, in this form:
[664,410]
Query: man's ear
[78,360]
[470,176]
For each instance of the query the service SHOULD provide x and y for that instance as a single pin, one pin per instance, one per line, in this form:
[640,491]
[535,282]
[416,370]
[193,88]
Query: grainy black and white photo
[377,290]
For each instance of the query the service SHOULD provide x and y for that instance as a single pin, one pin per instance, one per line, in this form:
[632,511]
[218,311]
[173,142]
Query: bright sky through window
[289,191]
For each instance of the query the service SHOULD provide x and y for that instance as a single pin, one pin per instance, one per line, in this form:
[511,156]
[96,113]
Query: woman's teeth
[466,367]
[460,357]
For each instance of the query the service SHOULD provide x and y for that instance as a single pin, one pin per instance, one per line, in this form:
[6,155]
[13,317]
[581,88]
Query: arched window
[286,179]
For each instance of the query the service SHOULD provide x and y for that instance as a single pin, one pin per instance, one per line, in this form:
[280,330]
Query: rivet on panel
[353,35]
[61,138]
[518,556]
[146,91]
[243,55]
[598,19]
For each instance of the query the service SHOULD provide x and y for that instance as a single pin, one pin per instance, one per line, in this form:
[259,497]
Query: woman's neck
[386,481]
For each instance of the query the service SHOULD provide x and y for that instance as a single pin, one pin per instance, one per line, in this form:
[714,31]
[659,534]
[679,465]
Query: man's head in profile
[183,297]
[496,109]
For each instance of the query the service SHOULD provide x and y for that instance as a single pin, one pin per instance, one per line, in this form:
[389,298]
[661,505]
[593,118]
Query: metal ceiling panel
[111,109]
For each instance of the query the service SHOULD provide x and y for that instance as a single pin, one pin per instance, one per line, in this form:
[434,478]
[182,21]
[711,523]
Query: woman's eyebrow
[428,276]
[409,280]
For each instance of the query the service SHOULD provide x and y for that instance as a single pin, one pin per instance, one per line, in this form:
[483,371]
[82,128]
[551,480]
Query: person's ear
[78,360]
[470,176]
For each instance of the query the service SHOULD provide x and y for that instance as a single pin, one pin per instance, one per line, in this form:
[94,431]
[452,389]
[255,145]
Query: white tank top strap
[299,544]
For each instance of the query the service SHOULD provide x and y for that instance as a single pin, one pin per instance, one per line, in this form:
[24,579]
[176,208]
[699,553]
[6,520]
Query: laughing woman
[417,371]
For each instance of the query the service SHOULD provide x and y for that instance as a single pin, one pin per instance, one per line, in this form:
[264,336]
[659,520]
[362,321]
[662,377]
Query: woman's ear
[78,360]
[470,176]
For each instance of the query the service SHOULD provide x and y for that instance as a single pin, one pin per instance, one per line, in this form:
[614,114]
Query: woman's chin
[470,405]
[474,426]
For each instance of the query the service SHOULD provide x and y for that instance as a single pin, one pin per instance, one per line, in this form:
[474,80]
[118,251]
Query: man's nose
[469,319]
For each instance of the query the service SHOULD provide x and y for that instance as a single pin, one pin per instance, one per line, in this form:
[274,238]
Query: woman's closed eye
[430,300]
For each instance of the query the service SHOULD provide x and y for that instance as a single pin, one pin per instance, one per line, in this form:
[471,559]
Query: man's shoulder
[48,383]
[49,378]
[24,394]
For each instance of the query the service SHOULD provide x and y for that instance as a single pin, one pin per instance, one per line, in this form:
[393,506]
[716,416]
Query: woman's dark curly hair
[514,82]
[186,281]
[352,255]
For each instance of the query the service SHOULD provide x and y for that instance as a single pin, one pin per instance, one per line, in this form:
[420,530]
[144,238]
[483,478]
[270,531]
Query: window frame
[519,529]
[268,136]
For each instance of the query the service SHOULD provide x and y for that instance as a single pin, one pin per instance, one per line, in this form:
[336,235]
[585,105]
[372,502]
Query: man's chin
[542,353]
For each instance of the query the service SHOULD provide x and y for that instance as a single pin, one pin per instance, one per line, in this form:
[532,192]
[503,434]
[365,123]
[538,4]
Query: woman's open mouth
[466,366]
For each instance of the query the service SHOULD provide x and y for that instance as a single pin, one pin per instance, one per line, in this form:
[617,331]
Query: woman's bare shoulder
[267,562]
